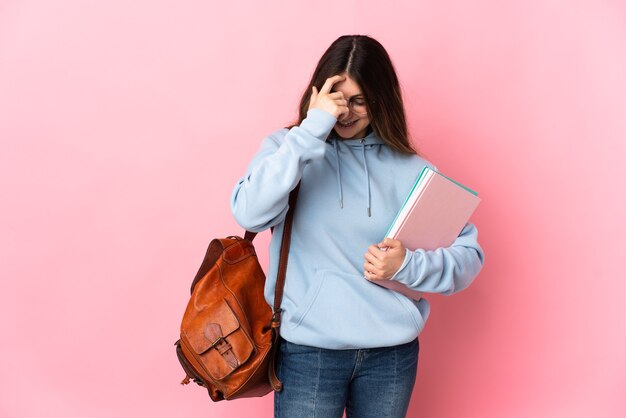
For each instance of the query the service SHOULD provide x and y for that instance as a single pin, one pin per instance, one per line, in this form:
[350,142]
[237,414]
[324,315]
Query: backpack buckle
[276,318]
[216,342]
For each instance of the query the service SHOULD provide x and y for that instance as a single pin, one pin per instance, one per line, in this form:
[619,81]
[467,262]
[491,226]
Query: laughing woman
[347,344]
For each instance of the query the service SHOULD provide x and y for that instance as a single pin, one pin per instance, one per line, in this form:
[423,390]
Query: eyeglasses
[357,104]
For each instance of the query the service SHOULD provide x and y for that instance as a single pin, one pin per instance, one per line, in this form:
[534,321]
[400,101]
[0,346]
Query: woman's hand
[334,103]
[382,260]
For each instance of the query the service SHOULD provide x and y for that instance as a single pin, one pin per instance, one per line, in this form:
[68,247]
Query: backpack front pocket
[219,344]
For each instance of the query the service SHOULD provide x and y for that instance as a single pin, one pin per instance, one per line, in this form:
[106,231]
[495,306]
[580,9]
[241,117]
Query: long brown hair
[366,61]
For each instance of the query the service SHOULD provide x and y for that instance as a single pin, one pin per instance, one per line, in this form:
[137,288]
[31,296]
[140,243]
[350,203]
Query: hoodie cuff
[318,123]
[407,256]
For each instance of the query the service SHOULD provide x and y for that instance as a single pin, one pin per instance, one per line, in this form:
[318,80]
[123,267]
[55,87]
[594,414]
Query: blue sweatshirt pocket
[343,310]
[308,301]
[411,309]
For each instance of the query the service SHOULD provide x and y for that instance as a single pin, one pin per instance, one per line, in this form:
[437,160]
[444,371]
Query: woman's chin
[348,133]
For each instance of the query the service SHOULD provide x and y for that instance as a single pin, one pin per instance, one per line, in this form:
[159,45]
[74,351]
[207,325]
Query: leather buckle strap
[284,255]
[276,316]
[226,351]
[216,342]
[275,382]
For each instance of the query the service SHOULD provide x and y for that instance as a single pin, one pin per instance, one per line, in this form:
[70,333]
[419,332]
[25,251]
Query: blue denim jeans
[372,382]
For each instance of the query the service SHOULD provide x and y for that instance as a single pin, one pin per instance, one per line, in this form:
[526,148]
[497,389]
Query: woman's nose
[345,116]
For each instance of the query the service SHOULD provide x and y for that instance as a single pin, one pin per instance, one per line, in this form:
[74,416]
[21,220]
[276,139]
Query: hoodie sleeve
[444,270]
[260,198]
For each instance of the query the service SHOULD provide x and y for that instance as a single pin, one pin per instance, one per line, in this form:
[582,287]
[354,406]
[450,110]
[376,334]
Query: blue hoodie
[350,193]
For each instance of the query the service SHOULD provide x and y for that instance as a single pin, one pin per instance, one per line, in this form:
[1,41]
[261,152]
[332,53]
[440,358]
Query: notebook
[432,216]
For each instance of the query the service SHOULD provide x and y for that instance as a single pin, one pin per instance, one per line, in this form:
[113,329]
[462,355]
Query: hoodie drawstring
[338,175]
[367,180]
[367,177]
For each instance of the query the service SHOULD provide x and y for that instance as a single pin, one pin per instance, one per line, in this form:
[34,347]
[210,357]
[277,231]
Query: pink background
[125,125]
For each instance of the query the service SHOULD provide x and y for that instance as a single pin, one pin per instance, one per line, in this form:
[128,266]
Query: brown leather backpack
[229,334]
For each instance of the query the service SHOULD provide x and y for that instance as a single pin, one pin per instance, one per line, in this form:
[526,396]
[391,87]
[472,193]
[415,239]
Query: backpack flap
[219,342]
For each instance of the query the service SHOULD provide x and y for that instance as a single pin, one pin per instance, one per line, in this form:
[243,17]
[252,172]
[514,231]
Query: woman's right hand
[334,103]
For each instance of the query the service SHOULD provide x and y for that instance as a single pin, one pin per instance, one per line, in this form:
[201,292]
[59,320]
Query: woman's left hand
[382,260]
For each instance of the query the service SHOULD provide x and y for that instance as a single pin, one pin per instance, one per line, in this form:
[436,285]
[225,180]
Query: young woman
[347,343]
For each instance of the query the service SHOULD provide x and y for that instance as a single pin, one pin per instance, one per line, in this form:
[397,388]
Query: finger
[338,99]
[336,95]
[372,268]
[371,275]
[374,250]
[314,93]
[330,82]
[393,243]
[378,252]
[372,260]
[383,244]
[385,247]
[343,111]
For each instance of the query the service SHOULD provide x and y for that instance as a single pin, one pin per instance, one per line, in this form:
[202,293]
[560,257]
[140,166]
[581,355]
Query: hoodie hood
[368,142]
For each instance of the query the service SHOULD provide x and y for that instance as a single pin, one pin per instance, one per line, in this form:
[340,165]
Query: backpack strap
[283,258]
[249,235]
[275,382]
[280,284]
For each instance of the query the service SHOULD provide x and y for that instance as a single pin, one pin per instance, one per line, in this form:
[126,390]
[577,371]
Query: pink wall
[124,126]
